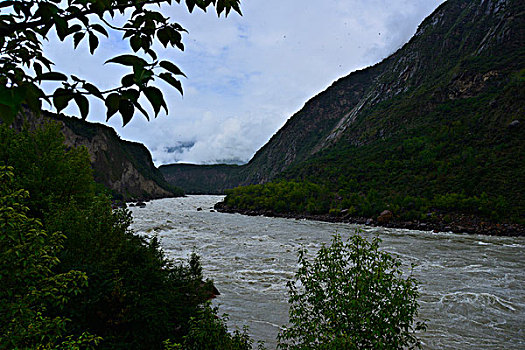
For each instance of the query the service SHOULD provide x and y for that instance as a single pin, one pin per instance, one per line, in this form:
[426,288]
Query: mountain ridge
[327,117]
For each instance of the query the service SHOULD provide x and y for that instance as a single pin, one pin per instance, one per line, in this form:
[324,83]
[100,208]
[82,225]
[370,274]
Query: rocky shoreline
[457,224]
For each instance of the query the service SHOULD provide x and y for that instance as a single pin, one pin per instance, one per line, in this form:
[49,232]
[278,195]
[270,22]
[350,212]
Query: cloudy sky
[248,74]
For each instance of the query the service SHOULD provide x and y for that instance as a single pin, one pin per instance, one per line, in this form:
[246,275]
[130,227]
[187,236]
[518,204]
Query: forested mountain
[438,125]
[202,179]
[466,55]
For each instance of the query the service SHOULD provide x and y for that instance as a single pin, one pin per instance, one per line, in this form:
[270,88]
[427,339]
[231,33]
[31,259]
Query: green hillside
[435,132]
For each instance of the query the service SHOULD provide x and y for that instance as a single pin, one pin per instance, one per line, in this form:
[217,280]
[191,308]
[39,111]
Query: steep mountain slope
[124,167]
[463,49]
[464,53]
[433,132]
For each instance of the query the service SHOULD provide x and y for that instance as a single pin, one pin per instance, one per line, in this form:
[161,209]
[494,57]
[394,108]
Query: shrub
[352,296]
[29,285]
[135,297]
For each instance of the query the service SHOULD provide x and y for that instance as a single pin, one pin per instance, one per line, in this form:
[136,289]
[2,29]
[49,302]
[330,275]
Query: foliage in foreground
[208,332]
[76,275]
[352,296]
[24,25]
[30,286]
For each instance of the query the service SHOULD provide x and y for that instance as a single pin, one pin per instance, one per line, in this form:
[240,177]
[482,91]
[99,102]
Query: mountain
[463,51]
[202,179]
[126,168]
[436,130]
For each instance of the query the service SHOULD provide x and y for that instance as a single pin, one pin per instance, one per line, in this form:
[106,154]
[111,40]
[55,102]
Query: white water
[472,287]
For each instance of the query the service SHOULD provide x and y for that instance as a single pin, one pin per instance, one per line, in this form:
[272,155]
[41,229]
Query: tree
[70,263]
[24,24]
[30,285]
[353,296]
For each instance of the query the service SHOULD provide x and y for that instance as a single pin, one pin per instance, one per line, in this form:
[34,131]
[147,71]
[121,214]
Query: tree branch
[10,29]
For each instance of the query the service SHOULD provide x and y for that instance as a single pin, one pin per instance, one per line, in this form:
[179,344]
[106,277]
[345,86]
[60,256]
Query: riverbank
[456,223]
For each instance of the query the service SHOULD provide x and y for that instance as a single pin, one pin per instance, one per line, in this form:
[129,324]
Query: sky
[246,74]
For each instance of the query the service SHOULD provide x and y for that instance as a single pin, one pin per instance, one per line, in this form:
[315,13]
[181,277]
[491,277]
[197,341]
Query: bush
[134,298]
[208,332]
[352,296]
[29,285]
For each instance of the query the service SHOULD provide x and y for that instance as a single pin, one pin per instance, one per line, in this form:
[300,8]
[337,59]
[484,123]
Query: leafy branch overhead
[25,24]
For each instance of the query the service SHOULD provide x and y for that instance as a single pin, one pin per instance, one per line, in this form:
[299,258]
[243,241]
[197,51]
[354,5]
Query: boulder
[385,217]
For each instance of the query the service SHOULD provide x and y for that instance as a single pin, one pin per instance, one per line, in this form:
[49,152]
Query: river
[472,287]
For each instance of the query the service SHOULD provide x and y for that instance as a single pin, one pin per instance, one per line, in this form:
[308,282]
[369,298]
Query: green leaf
[164,36]
[8,113]
[52,76]
[61,27]
[141,109]
[191,5]
[171,68]
[131,94]
[93,90]
[93,42]
[74,28]
[126,109]
[83,105]
[172,81]
[142,76]
[127,80]
[175,37]
[151,53]
[135,42]
[61,98]
[100,29]
[154,95]
[11,96]
[128,60]
[46,62]
[77,38]
[112,104]
[33,94]
[37,67]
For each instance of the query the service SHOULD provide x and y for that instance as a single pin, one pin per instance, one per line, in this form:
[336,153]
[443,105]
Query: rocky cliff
[463,49]
[126,168]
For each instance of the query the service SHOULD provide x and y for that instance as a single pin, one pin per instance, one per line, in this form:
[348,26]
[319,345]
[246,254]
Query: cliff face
[124,167]
[460,51]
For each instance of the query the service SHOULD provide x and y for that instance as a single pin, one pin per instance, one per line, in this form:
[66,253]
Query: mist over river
[472,287]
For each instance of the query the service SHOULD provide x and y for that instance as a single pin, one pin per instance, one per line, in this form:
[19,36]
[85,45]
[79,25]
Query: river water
[472,287]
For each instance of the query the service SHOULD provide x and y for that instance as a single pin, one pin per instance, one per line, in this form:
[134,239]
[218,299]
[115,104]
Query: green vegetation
[352,296]
[30,286]
[460,157]
[24,25]
[281,197]
[110,165]
[73,275]
[202,179]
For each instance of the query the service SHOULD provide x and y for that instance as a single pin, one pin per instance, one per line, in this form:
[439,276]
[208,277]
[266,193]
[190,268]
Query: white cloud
[247,75]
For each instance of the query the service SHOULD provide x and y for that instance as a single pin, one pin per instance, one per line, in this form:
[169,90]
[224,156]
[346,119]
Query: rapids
[472,287]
